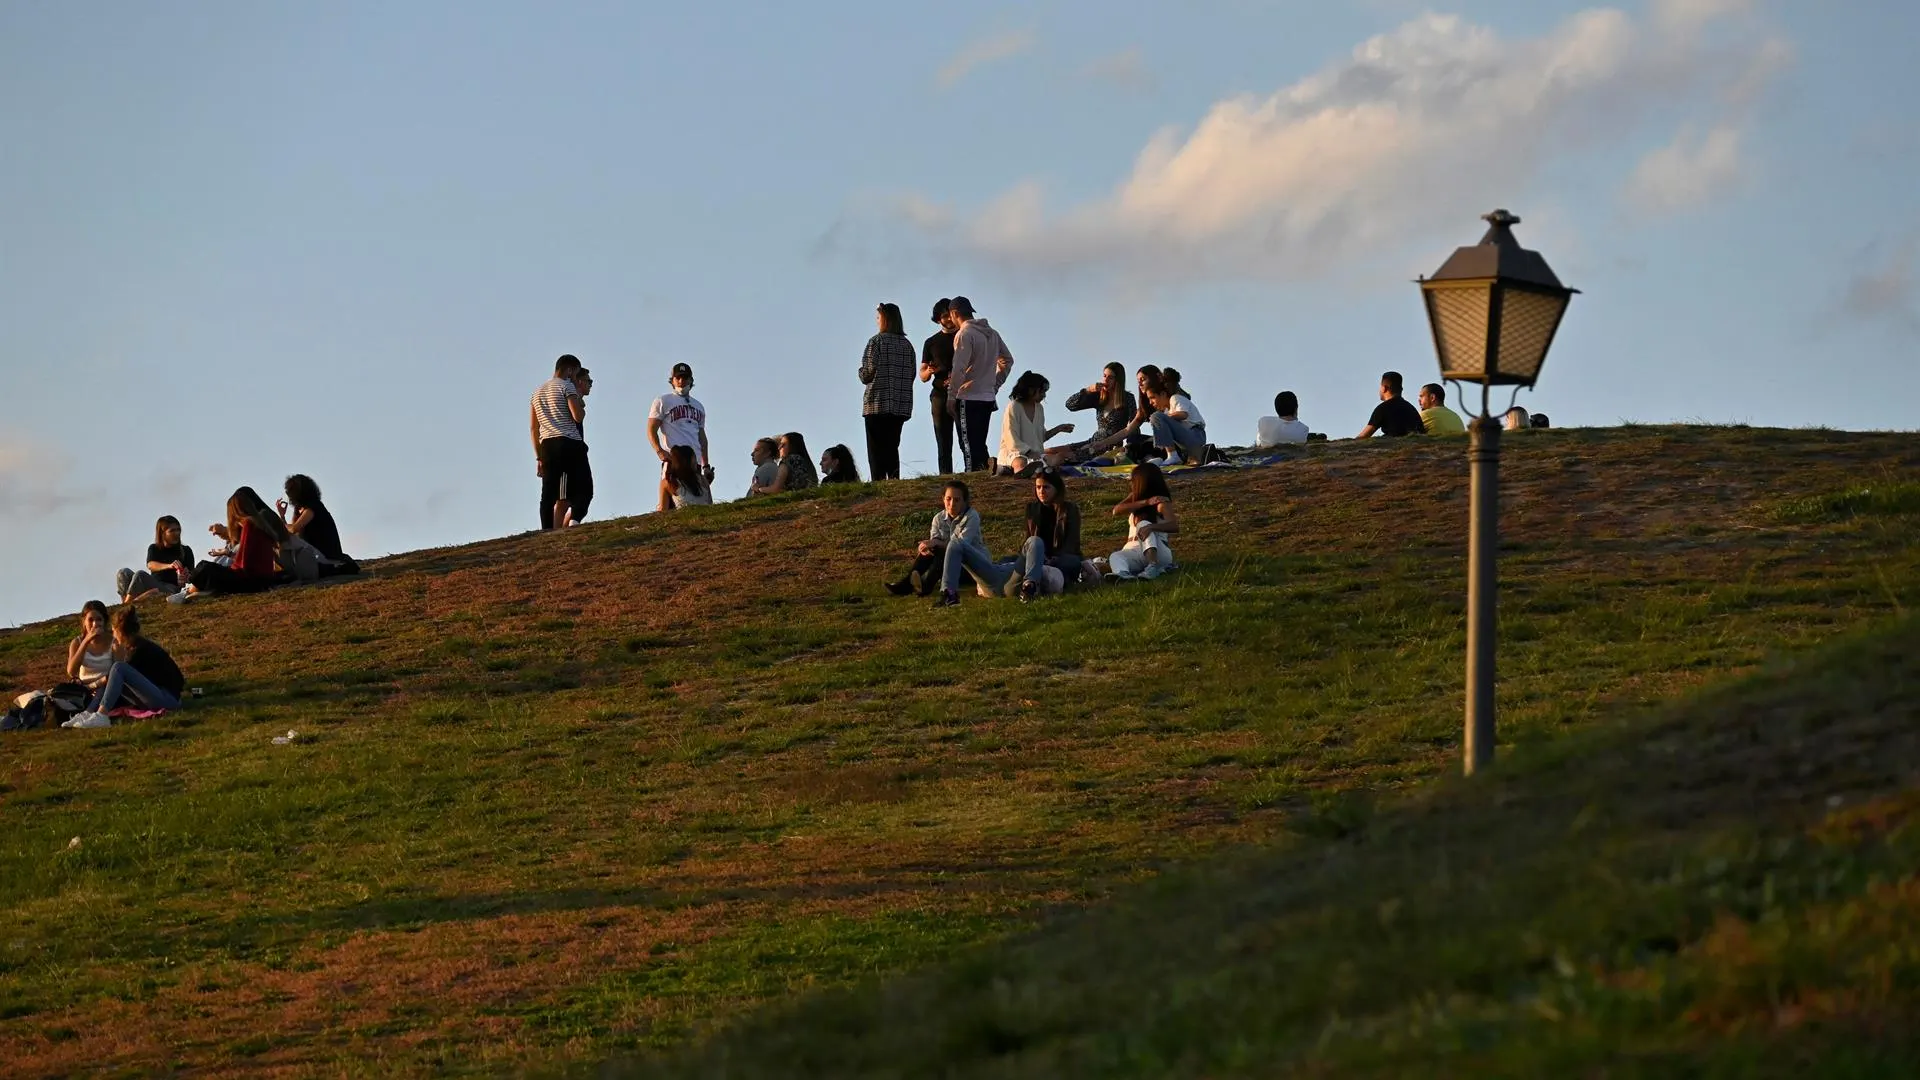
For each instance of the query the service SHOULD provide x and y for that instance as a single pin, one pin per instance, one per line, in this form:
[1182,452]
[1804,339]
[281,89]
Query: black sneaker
[948,598]
[899,588]
[1028,590]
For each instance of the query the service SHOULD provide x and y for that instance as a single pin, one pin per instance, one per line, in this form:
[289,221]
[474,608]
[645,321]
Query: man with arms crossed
[559,452]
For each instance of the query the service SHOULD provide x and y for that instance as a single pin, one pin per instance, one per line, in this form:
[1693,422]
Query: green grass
[570,796]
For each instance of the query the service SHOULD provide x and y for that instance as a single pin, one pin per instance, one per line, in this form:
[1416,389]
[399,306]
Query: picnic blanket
[1105,467]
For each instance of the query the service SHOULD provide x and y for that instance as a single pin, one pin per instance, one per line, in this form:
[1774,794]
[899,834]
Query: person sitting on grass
[1395,415]
[1283,427]
[1434,414]
[685,483]
[966,551]
[143,676]
[1114,409]
[1023,430]
[766,462]
[309,519]
[793,471]
[1150,520]
[956,518]
[90,656]
[253,533]
[1053,535]
[169,562]
[836,465]
[1517,419]
[1179,431]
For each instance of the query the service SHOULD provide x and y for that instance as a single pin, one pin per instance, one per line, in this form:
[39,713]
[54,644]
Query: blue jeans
[973,558]
[122,679]
[1170,435]
[1033,556]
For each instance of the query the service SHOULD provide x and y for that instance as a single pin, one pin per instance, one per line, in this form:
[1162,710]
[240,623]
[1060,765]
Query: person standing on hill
[559,451]
[678,419]
[887,370]
[1395,415]
[1439,419]
[936,364]
[981,361]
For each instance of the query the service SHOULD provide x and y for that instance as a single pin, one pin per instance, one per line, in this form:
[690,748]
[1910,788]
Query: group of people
[294,540]
[1050,559]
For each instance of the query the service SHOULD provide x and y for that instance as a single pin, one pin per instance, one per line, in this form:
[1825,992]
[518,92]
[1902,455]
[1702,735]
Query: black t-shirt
[1396,416]
[937,353]
[152,661]
[1062,538]
[179,553]
[323,534]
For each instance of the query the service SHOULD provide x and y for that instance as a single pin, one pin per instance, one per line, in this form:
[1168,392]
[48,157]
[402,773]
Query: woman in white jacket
[1023,428]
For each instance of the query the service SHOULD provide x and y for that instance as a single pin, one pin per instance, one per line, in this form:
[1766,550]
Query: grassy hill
[565,796]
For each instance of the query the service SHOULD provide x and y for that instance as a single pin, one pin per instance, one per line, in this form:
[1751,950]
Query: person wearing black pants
[887,370]
[981,361]
[936,363]
[555,415]
[561,456]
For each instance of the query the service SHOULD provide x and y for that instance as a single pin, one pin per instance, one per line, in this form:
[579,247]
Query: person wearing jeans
[1179,431]
[971,557]
[142,675]
[1053,535]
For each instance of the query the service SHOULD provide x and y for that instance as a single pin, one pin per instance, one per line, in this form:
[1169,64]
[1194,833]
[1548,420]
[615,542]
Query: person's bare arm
[74,649]
[1366,432]
[779,484]
[706,461]
[653,436]
[1169,522]
[1057,429]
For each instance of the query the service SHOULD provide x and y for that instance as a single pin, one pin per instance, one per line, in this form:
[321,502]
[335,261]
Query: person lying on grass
[956,518]
[685,483]
[90,656]
[1150,520]
[169,562]
[1053,535]
[966,551]
[254,533]
[143,676]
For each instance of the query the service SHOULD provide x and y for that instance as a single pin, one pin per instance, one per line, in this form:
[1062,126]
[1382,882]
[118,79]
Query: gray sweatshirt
[976,350]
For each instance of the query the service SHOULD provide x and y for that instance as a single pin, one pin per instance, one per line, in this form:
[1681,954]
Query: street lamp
[1494,308]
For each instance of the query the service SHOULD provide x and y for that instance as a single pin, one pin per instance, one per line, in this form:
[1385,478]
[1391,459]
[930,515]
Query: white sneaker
[1170,461]
[180,597]
[1153,571]
[89,720]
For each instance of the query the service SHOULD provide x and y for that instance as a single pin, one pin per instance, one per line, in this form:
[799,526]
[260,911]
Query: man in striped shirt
[555,415]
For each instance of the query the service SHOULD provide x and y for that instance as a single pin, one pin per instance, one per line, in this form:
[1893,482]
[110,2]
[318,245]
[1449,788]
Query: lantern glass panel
[1459,317]
[1527,322]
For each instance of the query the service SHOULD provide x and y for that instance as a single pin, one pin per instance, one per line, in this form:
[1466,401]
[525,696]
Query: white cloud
[1885,292]
[34,483]
[1687,172]
[1126,69]
[986,51]
[1421,128]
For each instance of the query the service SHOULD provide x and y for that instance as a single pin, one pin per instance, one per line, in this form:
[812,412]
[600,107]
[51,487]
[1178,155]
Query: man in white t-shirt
[1283,426]
[678,419]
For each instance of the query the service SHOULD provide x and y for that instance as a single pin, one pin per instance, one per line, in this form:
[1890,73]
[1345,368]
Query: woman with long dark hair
[253,533]
[887,370]
[1150,520]
[795,469]
[685,483]
[1023,430]
[836,465]
[1179,431]
[1053,535]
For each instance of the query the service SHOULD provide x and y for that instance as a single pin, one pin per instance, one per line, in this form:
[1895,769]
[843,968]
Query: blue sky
[241,240]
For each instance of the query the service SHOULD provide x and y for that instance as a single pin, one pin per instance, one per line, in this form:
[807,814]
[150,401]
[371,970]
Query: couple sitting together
[1050,557]
[119,668]
[262,549]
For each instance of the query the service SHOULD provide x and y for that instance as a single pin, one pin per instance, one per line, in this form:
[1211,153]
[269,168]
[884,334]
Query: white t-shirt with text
[681,419]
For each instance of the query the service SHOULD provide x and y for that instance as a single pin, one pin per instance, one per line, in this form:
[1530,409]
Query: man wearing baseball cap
[981,361]
[936,363]
[678,419]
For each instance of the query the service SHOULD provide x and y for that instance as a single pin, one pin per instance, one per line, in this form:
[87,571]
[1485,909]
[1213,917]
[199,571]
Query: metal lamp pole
[1494,309]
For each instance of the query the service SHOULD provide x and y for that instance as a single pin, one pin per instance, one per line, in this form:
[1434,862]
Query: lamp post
[1494,308]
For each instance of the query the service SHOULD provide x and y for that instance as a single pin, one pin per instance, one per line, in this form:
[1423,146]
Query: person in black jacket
[936,363]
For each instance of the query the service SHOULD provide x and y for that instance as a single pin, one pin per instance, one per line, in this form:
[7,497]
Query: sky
[242,240]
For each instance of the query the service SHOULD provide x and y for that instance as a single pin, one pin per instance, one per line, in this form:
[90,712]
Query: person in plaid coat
[887,370]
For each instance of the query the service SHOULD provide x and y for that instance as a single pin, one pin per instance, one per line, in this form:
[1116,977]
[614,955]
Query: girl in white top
[1023,430]
[1150,520]
[1178,428]
[90,656]
[685,483]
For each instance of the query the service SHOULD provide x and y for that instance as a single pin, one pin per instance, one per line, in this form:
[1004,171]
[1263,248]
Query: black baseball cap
[681,369]
[940,307]
[960,304]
